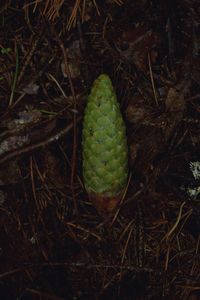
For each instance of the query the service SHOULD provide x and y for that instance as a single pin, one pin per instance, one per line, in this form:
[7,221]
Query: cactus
[105,154]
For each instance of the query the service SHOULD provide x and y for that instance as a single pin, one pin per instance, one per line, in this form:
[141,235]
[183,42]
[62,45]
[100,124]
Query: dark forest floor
[53,242]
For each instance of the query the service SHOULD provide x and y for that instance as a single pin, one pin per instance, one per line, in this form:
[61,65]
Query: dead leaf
[175,101]
[74,60]
[31,89]
[140,42]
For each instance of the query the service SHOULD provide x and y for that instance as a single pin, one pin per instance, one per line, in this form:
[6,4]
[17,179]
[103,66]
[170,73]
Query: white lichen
[13,142]
[194,191]
[195,169]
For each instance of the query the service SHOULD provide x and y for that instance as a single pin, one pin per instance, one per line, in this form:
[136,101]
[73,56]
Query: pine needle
[15,75]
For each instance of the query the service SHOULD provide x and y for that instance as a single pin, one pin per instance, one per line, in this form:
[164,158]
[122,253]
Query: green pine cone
[105,154]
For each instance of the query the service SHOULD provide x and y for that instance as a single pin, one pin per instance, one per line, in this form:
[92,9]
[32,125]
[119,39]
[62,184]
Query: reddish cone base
[104,204]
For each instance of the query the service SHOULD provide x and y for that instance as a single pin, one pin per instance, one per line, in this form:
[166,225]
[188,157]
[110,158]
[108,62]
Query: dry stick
[176,223]
[29,56]
[119,2]
[124,253]
[125,230]
[72,19]
[152,80]
[15,76]
[19,76]
[33,184]
[43,294]
[45,197]
[83,11]
[132,268]
[58,85]
[67,71]
[197,96]
[121,201]
[48,192]
[167,258]
[125,248]
[186,216]
[84,230]
[96,6]
[35,146]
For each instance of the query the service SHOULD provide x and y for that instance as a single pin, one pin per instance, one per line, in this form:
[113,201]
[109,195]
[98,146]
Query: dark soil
[53,242]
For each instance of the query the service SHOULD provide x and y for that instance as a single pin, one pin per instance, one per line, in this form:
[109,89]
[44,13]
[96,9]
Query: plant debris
[54,244]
